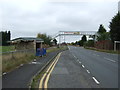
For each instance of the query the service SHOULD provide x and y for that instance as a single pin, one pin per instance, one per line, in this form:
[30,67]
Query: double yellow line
[45,77]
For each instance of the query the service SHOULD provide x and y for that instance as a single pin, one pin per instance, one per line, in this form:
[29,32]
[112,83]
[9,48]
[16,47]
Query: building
[22,43]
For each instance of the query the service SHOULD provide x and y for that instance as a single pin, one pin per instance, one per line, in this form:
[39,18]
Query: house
[22,43]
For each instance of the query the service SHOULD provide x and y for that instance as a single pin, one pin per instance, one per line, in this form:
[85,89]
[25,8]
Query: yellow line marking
[41,81]
[48,76]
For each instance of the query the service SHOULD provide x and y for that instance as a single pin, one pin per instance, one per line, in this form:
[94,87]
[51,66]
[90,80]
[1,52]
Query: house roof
[26,39]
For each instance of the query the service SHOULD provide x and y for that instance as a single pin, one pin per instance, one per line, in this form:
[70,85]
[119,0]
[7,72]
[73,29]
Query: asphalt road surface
[20,77]
[83,68]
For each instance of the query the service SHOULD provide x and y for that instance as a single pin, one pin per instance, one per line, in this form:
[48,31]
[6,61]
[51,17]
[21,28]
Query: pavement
[83,68]
[20,77]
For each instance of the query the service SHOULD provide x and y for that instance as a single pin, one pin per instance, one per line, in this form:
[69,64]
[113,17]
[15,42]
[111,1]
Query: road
[83,68]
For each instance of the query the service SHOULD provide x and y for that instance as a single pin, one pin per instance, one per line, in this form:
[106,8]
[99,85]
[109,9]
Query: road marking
[83,66]
[48,76]
[47,72]
[109,59]
[88,71]
[96,80]
[41,81]
[74,56]
[79,62]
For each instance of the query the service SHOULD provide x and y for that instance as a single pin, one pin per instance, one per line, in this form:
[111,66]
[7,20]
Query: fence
[16,54]
[105,44]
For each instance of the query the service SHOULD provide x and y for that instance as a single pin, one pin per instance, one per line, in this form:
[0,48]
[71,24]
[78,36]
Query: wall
[24,45]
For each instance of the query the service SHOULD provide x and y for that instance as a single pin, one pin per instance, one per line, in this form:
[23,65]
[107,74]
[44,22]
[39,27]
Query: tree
[55,41]
[101,29]
[103,36]
[84,38]
[115,28]
[93,37]
[89,43]
[9,35]
[5,36]
[47,39]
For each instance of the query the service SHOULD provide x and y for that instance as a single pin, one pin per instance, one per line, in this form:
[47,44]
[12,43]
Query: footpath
[21,77]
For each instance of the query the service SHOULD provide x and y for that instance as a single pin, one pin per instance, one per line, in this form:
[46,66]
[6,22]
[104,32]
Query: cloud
[29,17]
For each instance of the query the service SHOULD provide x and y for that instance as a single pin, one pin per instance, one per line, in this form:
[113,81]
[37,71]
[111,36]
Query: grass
[36,80]
[10,62]
[7,48]
[56,49]
[102,50]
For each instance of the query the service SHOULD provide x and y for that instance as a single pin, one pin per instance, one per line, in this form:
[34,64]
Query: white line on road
[88,71]
[96,80]
[79,62]
[109,59]
[83,66]
[74,56]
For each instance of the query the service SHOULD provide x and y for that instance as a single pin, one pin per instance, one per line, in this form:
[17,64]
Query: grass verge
[56,49]
[10,63]
[7,48]
[102,50]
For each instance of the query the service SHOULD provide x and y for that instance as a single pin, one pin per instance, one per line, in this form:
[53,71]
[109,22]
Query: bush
[89,43]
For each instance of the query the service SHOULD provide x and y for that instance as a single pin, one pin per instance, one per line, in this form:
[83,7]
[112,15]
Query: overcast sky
[29,17]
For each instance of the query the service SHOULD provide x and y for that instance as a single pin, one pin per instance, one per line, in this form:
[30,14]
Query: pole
[114,45]
[59,40]
[41,45]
